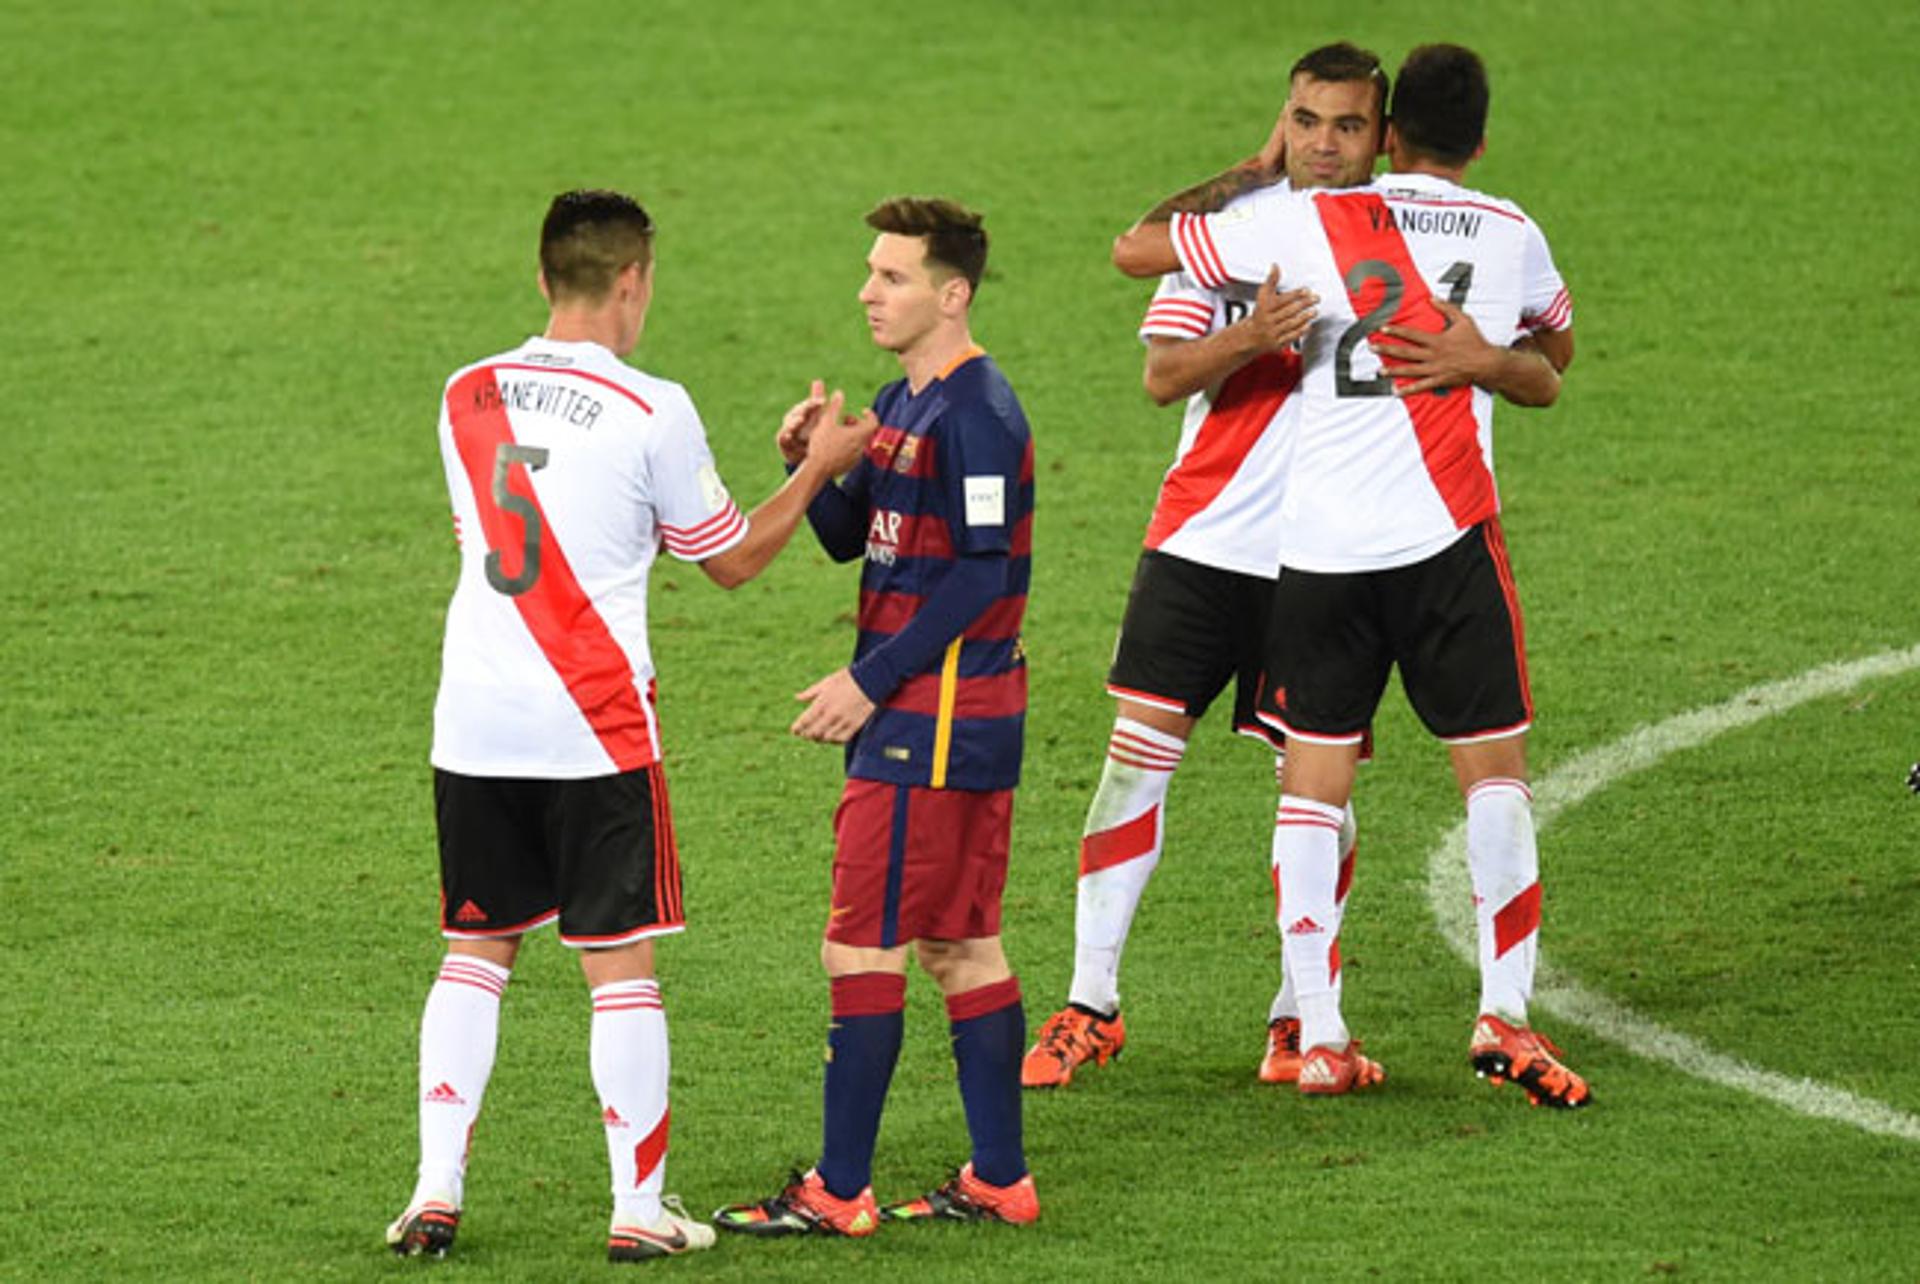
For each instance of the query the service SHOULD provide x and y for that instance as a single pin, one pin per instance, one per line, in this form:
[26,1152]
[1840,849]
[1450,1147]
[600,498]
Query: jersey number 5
[534,457]
[1458,279]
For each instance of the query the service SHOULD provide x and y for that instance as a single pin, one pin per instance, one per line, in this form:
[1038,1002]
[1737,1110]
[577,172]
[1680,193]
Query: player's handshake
[796,426]
[839,440]
[817,428]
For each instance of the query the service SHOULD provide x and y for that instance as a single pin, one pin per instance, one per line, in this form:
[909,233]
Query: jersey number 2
[507,501]
[1459,279]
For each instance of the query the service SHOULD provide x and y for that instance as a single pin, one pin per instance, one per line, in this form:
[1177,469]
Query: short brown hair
[588,238]
[1344,62]
[954,235]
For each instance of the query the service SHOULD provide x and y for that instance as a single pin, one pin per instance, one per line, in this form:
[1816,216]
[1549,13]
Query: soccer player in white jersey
[1197,612]
[568,469]
[1391,549]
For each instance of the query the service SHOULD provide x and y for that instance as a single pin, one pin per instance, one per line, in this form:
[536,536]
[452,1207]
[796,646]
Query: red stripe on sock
[1141,747]
[1122,843]
[869,993]
[651,1150]
[457,974]
[1305,819]
[628,996]
[983,999]
[1515,921]
[1500,782]
[1142,764]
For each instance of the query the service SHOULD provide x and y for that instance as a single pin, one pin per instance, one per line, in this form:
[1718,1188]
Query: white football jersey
[1219,501]
[567,469]
[1377,481]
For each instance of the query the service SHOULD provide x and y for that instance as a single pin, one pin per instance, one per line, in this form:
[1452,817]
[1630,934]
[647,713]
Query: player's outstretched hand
[1281,316]
[1428,361]
[836,709]
[797,425]
[838,440]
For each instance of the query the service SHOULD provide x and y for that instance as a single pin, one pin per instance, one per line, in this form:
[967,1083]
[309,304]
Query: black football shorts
[1189,630]
[596,854]
[1452,623]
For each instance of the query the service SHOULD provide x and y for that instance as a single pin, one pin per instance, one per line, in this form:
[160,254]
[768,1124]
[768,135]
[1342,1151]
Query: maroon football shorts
[911,863]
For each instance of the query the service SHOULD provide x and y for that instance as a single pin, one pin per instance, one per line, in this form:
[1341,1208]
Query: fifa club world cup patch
[712,489]
[986,501]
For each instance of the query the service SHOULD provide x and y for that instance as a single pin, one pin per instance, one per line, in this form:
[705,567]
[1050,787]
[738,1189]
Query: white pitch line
[1450,892]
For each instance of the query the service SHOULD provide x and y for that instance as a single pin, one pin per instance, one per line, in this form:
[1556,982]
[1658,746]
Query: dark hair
[1342,62]
[1440,103]
[588,238]
[955,239]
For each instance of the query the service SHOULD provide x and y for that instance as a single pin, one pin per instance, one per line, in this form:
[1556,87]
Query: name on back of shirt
[1426,220]
[536,396]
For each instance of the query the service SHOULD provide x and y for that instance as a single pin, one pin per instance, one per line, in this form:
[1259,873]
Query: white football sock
[1306,858]
[1285,1002]
[630,1065]
[1505,866]
[1118,851]
[459,1030]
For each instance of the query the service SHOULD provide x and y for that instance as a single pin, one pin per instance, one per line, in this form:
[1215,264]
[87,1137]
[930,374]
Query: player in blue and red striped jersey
[931,710]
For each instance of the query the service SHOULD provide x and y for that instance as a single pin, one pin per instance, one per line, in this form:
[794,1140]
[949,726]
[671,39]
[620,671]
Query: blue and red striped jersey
[947,480]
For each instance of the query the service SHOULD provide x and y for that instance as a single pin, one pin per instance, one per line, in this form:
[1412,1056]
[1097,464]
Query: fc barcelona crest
[903,458]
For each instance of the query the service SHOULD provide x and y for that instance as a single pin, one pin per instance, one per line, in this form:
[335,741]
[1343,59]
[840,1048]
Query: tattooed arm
[1146,249]
[1211,196]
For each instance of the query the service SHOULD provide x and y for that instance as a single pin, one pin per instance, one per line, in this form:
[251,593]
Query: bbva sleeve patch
[986,501]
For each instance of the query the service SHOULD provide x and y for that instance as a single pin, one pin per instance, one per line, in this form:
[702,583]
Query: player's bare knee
[1162,720]
[630,962]
[838,959]
[1321,771]
[936,959]
[500,951]
[1505,758]
[959,966]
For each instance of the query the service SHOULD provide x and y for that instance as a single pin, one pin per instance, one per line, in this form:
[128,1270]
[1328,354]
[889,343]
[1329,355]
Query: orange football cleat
[1282,1062]
[1330,1072]
[804,1206]
[1502,1052]
[1071,1038]
[968,1199]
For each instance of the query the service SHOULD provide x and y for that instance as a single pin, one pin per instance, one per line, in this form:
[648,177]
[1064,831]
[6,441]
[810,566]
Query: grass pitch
[244,245]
